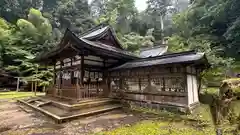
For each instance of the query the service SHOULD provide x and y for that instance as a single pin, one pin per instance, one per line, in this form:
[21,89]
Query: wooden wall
[68,74]
[157,85]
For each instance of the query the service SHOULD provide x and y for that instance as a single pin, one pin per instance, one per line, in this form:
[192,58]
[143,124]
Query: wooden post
[164,84]
[82,93]
[72,72]
[139,84]
[82,70]
[61,81]
[89,81]
[32,85]
[106,86]
[18,81]
[35,91]
[36,84]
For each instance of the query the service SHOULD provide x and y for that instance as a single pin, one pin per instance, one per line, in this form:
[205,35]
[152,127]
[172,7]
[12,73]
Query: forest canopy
[29,27]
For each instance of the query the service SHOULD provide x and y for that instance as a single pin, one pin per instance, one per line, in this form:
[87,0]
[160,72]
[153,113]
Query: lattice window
[143,83]
[92,75]
[67,62]
[158,83]
[76,74]
[133,84]
[86,74]
[175,84]
[115,84]
[66,75]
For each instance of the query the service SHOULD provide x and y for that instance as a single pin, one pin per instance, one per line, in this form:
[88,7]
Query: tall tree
[119,12]
[157,11]
[210,26]
[24,41]
[73,14]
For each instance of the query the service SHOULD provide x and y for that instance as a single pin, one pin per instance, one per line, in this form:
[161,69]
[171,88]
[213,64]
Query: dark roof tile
[153,51]
[189,56]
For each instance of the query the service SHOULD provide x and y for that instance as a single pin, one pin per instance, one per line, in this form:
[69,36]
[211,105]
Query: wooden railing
[93,90]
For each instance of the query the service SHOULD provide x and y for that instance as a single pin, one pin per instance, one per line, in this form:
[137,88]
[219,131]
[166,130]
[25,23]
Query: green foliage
[199,123]
[20,43]
[207,27]
[133,41]
[158,128]
[73,14]
[17,95]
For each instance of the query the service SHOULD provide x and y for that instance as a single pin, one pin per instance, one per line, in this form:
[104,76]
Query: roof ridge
[88,31]
[169,55]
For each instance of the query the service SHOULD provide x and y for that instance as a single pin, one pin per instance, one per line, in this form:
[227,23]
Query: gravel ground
[17,121]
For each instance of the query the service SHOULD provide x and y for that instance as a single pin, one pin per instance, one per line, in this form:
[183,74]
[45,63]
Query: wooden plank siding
[165,85]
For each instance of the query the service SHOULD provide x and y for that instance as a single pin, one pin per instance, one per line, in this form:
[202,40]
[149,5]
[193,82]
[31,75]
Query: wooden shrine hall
[95,65]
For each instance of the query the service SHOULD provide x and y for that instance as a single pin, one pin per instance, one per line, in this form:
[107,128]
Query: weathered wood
[82,70]
[164,84]
[18,81]
[139,84]
[61,80]
[163,93]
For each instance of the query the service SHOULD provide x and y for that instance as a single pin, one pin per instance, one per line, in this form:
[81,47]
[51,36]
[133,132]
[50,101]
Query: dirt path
[15,121]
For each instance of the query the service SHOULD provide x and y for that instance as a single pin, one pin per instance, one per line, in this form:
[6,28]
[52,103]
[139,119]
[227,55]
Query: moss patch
[17,95]
[159,128]
[197,123]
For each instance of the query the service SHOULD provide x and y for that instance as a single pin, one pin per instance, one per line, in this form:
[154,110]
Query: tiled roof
[183,57]
[95,33]
[153,51]
[86,38]
[109,48]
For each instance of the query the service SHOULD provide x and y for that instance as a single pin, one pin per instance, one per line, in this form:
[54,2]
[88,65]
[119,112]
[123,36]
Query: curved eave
[103,33]
[81,43]
[187,58]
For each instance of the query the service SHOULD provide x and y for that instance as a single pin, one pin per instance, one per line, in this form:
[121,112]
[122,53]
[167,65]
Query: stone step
[89,112]
[84,105]
[94,104]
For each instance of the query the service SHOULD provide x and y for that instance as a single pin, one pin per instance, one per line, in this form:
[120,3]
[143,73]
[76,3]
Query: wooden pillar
[32,85]
[149,80]
[82,71]
[18,82]
[35,90]
[106,88]
[139,84]
[61,74]
[164,84]
[72,73]
[89,81]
